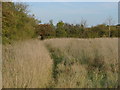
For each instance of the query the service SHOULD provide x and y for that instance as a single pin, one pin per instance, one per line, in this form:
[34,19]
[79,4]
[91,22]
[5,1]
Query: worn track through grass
[84,63]
[77,63]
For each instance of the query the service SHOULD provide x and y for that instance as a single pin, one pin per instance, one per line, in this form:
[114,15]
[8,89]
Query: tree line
[17,24]
[76,30]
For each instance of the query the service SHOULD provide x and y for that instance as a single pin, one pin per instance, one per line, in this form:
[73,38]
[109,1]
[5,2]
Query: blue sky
[72,12]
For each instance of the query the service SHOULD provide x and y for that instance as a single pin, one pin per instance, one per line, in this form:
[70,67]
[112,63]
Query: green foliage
[77,31]
[17,24]
[45,30]
[60,31]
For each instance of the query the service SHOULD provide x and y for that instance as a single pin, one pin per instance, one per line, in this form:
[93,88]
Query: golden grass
[0,65]
[85,63]
[77,63]
[26,65]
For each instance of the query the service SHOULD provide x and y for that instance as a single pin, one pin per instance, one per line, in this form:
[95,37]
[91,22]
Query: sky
[72,12]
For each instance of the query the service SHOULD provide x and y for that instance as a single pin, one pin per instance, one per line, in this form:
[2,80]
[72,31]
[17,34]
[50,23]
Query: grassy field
[26,65]
[61,63]
[84,63]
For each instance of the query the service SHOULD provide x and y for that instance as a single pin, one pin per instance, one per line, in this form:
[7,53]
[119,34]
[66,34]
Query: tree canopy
[16,22]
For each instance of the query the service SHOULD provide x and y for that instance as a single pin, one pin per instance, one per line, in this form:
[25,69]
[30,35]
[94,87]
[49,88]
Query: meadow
[26,64]
[84,63]
[61,63]
[69,54]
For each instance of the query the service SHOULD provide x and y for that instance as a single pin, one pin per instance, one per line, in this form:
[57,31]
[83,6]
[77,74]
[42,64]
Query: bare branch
[83,22]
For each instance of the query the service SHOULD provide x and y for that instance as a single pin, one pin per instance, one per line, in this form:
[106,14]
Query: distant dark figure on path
[42,37]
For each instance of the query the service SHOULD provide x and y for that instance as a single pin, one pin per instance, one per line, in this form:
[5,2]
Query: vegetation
[84,63]
[16,23]
[77,63]
[45,30]
[79,31]
[26,64]
[73,62]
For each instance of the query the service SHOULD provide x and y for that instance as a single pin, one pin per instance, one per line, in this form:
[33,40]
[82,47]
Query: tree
[83,23]
[16,23]
[45,30]
[51,22]
[52,28]
[60,31]
[109,22]
[21,7]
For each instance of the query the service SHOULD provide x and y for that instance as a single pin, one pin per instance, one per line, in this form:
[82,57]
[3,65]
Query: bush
[17,24]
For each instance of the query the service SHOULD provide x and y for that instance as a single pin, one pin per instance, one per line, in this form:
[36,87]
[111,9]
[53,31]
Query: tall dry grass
[26,65]
[77,63]
[0,65]
[84,63]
